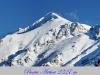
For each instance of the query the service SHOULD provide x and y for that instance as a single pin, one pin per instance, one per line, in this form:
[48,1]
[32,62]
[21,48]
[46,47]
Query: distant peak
[49,16]
[52,15]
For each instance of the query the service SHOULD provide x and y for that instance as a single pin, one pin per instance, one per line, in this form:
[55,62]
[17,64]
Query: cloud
[73,15]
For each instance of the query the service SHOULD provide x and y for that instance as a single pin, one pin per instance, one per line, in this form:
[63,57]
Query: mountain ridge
[48,42]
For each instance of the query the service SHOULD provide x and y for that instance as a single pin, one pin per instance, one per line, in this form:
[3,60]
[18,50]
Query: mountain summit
[52,41]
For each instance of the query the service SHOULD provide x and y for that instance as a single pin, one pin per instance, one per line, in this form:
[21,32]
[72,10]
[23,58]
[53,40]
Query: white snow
[56,42]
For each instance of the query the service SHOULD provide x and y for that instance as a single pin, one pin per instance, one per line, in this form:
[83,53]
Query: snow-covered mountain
[52,41]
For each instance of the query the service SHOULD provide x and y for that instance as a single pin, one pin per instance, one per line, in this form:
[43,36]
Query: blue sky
[21,13]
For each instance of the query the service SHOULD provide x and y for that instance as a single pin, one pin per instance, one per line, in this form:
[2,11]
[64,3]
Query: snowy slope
[51,41]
